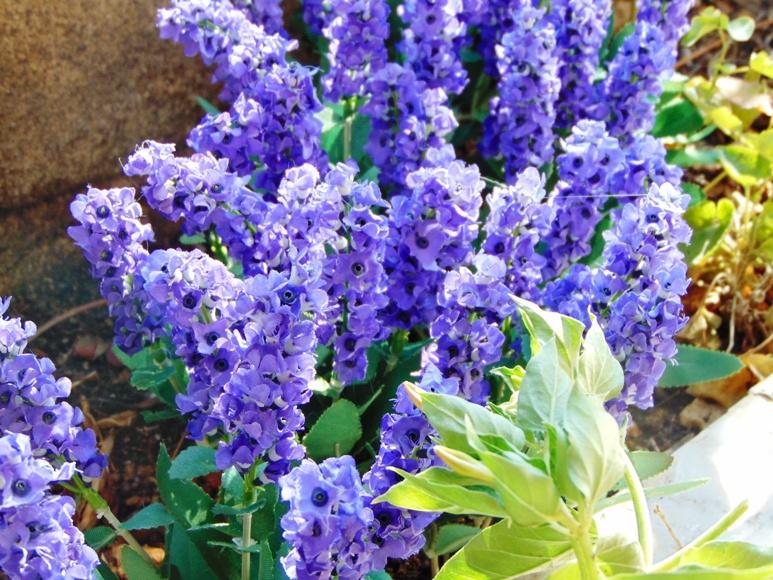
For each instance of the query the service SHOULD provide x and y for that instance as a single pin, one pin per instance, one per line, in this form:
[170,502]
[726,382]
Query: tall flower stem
[583,550]
[249,498]
[640,508]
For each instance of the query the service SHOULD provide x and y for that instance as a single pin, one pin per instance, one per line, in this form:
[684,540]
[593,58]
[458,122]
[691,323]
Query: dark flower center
[20,487]
[221,365]
[358,268]
[49,417]
[189,301]
[413,435]
[217,188]
[319,497]
[350,344]
[499,247]
[103,211]
[211,338]
[422,242]
[288,296]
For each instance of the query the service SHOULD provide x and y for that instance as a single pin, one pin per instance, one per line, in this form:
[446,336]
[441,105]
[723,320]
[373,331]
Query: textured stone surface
[82,82]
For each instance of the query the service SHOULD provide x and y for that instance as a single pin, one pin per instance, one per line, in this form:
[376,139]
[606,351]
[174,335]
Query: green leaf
[232,486]
[456,568]
[543,326]
[695,192]
[710,221]
[360,134]
[184,499]
[545,390]
[451,537]
[448,415]
[207,106]
[744,165]
[613,555]
[151,516]
[599,372]
[99,537]
[530,496]
[648,464]
[619,39]
[136,568]
[193,461]
[705,23]
[511,377]
[505,550]
[678,117]
[186,556]
[377,575]
[652,492]
[692,156]
[762,62]
[149,378]
[724,118]
[438,489]
[161,415]
[744,559]
[335,432]
[193,240]
[741,29]
[593,455]
[699,365]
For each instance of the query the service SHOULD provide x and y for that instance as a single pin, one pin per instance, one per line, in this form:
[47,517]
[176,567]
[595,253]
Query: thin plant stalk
[642,512]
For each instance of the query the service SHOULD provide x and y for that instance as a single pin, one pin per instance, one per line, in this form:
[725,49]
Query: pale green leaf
[762,62]
[741,29]
[452,537]
[599,372]
[745,165]
[710,221]
[708,21]
[544,326]
[438,489]
[545,390]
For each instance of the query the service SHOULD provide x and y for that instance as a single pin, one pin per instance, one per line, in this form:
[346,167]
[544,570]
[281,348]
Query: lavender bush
[375,221]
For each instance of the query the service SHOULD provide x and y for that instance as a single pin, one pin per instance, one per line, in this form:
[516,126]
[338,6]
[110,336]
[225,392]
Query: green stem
[583,550]
[103,510]
[711,534]
[642,511]
[348,138]
[246,543]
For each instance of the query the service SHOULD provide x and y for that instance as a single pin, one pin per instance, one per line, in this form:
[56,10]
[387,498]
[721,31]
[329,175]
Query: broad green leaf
[648,464]
[529,494]
[99,537]
[151,516]
[762,142]
[438,489]
[505,550]
[335,432]
[593,459]
[452,537]
[186,556]
[692,156]
[710,221]
[184,499]
[193,461]
[762,62]
[698,365]
[741,29]
[724,118]
[678,117]
[360,133]
[744,165]
[511,377]
[695,192]
[599,372]
[448,415]
[708,21]
[136,568]
[232,486]
[730,556]
[545,390]
[619,39]
[456,568]
[543,326]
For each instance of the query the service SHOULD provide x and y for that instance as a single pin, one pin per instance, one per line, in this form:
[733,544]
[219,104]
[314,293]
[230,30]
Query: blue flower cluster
[432,228]
[357,31]
[432,41]
[41,443]
[270,126]
[33,403]
[37,536]
[520,124]
[408,119]
[328,523]
[265,13]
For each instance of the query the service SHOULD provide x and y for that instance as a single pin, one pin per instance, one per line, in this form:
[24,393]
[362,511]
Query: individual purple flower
[328,522]
[357,31]
[520,124]
[432,41]
[408,120]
